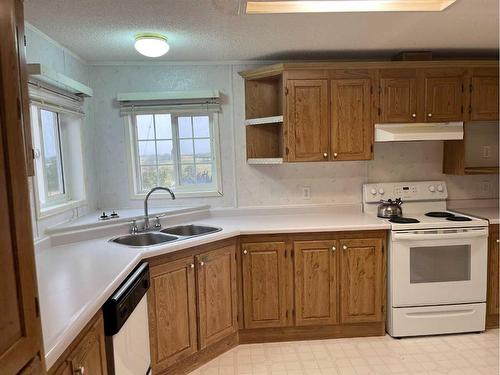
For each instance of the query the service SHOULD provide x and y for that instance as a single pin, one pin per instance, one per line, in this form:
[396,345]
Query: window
[51,177]
[179,151]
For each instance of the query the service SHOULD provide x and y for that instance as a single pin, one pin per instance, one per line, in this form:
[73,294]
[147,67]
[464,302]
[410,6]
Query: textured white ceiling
[212,30]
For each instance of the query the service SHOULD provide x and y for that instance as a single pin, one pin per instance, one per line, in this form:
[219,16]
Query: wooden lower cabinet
[316,287]
[193,307]
[217,295]
[264,284]
[87,354]
[362,280]
[492,305]
[172,312]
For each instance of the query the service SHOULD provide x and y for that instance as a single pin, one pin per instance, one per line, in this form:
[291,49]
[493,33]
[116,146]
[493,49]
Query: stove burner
[439,214]
[403,220]
[459,218]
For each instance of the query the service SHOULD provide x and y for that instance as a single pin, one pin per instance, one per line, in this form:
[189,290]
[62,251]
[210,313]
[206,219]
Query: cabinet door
[398,100]
[217,298]
[90,355]
[264,284]
[493,274]
[351,119]
[361,280]
[307,131]
[315,282]
[444,99]
[20,331]
[484,98]
[172,312]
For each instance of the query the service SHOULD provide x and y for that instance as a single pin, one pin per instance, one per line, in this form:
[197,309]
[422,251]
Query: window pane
[52,153]
[187,174]
[166,175]
[203,173]
[201,127]
[165,152]
[148,178]
[163,126]
[145,127]
[185,129]
[147,153]
[203,150]
[186,150]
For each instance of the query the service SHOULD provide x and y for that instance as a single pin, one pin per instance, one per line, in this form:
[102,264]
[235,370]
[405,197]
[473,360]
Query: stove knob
[432,188]
[373,191]
[381,191]
[440,188]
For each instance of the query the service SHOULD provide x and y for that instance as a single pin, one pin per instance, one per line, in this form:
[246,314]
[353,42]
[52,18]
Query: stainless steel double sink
[177,233]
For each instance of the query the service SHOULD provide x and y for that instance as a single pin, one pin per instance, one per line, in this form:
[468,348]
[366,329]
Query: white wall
[42,49]
[244,185]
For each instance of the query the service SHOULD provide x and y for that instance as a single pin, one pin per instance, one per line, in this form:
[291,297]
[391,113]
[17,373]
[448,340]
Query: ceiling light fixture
[325,6]
[151,45]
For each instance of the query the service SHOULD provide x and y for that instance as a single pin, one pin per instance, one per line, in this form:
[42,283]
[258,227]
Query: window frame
[64,197]
[193,191]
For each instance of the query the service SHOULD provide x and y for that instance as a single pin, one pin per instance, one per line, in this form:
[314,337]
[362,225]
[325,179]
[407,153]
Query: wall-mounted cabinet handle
[344,247]
[245,252]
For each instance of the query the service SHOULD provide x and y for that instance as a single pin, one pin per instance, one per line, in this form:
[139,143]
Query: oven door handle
[402,236]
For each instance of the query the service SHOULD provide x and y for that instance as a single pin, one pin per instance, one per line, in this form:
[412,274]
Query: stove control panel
[407,191]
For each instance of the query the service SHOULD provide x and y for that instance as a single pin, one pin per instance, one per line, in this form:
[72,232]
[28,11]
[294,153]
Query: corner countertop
[488,213]
[76,278]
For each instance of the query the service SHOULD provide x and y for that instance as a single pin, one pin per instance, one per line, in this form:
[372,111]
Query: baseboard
[260,335]
[492,321]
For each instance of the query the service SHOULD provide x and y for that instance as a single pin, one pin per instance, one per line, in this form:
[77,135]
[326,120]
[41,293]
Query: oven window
[437,264]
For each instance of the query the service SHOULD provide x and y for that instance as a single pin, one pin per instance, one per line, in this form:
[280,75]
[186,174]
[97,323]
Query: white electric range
[437,262]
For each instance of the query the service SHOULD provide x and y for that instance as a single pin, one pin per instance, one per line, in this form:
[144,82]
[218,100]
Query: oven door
[438,266]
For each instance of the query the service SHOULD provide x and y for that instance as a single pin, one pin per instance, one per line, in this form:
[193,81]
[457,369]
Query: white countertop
[488,213]
[76,278]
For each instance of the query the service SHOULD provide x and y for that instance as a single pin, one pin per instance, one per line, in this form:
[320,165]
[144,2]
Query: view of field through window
[174,151]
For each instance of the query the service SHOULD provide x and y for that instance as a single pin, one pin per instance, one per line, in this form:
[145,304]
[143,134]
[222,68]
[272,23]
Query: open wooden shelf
[265,120]
[264,161]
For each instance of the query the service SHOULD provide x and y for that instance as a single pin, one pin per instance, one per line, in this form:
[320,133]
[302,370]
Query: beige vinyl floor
[466,354]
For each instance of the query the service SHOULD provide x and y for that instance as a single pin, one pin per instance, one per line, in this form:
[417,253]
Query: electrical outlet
[485,187]
[486,152]
[306,192]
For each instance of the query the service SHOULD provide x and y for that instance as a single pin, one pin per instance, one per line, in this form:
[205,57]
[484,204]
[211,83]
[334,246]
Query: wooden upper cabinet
[217,294]
[484,98]
[444,98]
[315,282]
[307,131]
[351,122]
[361,280]
[493,304]
[264,284]
[172,312]
[90,355]
[398,99]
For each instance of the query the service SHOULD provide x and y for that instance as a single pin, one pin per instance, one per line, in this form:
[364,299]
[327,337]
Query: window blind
[53,99]
[169,101]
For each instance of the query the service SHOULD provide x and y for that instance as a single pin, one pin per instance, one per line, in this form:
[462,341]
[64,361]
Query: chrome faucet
[146,213]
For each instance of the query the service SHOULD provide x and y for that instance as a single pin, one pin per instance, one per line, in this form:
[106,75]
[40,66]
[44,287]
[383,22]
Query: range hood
[437,131]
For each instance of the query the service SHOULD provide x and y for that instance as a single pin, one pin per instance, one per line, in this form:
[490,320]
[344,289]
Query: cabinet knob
[414,115]
[344,247]
[245,252]
[325,154]
[191,265]
[335,154]
[498,241]
[334,248]
[80,370]
[429,115]
[202,263]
